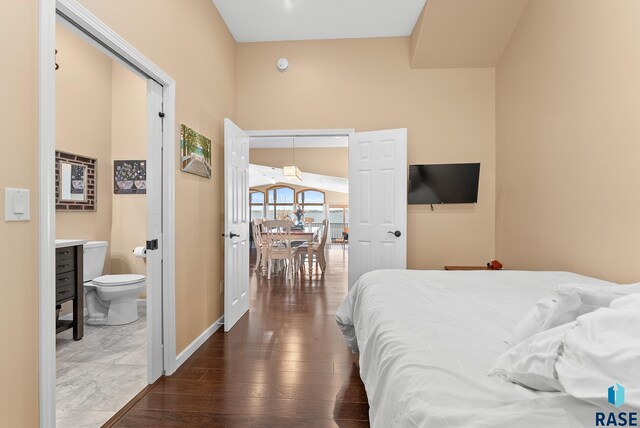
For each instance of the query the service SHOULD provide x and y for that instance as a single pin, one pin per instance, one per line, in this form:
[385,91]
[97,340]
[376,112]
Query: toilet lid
[118,279]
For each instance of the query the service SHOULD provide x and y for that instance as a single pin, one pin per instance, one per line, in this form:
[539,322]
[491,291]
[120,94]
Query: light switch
[17,205]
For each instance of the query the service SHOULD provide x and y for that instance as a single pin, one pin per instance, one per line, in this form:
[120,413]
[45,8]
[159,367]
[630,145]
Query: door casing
[163,338]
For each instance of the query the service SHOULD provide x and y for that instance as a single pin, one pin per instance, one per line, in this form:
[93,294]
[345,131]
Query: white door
[155,363]
[236,223]
[377,201]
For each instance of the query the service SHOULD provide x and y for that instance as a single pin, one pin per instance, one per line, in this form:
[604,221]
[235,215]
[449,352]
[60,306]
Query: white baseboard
[193,346]
[142,303]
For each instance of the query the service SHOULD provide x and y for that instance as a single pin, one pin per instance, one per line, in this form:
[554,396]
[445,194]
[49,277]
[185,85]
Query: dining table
[309,234]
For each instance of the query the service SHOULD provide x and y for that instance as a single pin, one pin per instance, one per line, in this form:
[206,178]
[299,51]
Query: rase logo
[615,397]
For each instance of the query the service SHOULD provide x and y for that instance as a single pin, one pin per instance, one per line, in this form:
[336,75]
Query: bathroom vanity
[69,284]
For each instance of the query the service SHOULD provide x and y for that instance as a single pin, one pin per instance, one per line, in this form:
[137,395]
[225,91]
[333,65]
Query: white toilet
[110,299]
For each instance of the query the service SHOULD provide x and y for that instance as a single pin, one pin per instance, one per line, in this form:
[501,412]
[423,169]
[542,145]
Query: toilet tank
[95,252]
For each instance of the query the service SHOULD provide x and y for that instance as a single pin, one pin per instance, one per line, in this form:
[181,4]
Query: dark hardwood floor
[284,364]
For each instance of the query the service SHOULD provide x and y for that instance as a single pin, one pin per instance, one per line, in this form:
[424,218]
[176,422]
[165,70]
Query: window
[279,202]
[339,218]
[256,201]
[312,202]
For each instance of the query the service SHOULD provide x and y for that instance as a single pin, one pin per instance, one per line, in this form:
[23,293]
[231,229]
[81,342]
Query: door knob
[397,233]
[230,236]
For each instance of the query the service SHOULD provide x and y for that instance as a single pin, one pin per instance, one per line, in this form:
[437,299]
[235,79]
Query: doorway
[160,259]
[321,192]
[376,184]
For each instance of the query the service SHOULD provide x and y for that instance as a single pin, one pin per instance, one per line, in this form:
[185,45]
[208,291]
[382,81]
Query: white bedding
[427,340]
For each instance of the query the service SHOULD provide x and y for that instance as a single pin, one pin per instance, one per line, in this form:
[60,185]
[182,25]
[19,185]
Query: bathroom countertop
[60,243]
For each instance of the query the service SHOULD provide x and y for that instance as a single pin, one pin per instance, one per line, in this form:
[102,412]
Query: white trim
[197,343]
[142,303]
[301,132]
[169,151]
[47,214]
[82,18]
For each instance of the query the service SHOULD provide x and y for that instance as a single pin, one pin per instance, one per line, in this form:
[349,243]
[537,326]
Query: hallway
[284,364]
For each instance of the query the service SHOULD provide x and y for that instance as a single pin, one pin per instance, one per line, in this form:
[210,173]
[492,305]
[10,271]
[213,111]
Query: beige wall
[101,112]
[568,97]
[83,126]
[193,45]
[464,33]
[369,84]
[333,161]
[128,142]
[19,252]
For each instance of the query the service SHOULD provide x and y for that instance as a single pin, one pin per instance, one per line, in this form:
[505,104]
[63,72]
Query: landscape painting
[195,152]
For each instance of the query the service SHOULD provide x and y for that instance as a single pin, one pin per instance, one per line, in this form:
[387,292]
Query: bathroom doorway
[113,199]
[102,204]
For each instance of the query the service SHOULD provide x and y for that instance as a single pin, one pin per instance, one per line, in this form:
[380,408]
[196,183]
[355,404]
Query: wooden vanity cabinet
[69,287]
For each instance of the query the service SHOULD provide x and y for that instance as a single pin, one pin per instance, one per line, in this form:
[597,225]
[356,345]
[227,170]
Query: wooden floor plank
[284,364]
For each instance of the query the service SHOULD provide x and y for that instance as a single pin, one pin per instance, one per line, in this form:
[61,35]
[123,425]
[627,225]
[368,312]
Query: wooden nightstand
[466,268]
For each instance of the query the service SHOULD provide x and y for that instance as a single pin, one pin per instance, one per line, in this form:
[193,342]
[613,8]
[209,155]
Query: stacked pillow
[581,342]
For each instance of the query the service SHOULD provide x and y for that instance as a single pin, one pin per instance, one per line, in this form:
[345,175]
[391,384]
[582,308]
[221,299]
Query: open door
[236,224]
[377,201]
[155,364]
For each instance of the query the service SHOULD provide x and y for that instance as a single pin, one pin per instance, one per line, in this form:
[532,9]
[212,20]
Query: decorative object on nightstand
[494,265]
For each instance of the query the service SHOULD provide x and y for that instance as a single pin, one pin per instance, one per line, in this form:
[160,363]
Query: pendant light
[292,171]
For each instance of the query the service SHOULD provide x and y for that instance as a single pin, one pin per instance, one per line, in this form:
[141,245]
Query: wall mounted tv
[455,183]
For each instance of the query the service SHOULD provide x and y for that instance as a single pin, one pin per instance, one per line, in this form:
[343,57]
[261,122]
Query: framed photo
[195,152]
[130,177]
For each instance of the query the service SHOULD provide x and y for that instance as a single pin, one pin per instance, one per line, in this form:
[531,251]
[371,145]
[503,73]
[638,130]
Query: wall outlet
[222,287]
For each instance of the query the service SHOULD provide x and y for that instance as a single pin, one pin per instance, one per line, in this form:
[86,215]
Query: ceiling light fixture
[292,171]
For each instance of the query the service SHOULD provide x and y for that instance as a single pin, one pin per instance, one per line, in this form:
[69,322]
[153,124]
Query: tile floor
[99,374]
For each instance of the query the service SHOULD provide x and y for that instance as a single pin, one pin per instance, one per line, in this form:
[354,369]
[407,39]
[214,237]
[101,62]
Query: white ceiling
[300,142]
[275,20]
[260,175]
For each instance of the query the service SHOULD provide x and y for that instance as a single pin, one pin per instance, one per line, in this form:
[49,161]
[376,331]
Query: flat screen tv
[455,183]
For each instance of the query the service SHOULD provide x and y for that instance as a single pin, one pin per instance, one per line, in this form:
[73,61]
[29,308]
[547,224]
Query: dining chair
[345,237]
[308,221]
[277,234]
[258,240]
[317,249]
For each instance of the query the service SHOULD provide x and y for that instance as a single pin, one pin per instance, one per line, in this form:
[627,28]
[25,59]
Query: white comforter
[428,338]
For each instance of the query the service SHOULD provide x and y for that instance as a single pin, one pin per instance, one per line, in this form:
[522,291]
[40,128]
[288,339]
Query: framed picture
[130,177]
[195,152]
[75,182]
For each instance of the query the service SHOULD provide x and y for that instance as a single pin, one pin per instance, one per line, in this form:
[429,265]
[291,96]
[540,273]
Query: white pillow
[599,296]
[531,362]
[572,301]
[531,322]
[601,351]
[548,313]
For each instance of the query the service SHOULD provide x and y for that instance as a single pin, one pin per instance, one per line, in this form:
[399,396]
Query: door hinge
[152,245]
[161,114]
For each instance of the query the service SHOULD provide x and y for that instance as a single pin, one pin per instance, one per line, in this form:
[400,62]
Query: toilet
[110,299]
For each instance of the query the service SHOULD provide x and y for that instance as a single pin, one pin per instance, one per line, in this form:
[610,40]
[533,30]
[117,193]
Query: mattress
[427,340]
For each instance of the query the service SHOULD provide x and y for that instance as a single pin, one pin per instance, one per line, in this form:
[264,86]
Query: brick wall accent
[92,197]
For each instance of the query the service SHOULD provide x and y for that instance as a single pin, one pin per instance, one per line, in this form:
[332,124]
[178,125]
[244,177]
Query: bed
[427,340]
